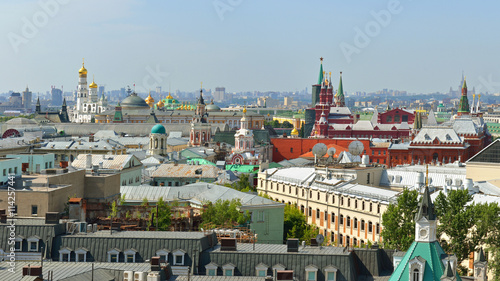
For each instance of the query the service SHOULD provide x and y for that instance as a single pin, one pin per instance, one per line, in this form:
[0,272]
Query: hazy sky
[419,46]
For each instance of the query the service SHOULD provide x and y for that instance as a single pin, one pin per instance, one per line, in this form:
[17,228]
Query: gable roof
[489,154]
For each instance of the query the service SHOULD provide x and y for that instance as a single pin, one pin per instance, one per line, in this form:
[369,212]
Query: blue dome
[158,129]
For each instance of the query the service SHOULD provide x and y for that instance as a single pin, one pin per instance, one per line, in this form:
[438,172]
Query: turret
[339,97]
[425,229]
[463,107]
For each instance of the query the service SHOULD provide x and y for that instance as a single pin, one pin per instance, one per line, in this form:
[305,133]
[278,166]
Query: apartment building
[346,211]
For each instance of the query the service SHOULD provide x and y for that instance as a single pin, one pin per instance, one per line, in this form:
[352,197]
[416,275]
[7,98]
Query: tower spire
[426,207]
[340,99]
[320,79]
[463,107]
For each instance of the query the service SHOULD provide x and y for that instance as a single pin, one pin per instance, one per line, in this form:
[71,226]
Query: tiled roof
[186,171]
[114,162]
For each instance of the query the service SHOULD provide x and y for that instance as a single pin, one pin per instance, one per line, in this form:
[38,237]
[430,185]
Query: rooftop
[282,249]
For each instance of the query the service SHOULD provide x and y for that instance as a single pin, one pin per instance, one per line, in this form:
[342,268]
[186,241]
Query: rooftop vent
[52,218]
[292,245]
[228,244]
[284,275]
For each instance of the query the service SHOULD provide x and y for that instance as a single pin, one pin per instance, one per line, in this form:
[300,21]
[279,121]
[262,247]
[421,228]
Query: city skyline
[420,47]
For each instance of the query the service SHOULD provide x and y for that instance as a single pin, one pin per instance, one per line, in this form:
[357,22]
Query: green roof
[340,90]
[248,169]
[320,79]
[201,161]
[432,253]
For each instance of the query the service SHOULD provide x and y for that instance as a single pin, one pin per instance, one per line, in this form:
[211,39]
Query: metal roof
[115,162]
[63,270]
[186,171]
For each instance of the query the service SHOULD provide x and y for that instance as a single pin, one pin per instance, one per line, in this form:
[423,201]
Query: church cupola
[463,106]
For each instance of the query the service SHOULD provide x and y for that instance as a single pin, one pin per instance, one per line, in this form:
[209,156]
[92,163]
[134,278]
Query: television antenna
[319,150]
[319,239]
[331,151]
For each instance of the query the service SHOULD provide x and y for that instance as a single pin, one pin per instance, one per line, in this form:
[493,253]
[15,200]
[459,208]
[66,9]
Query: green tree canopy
[164,215]
[286,124]
[456,217]
[224,213]
[398,221]
[243,184]
[295,225]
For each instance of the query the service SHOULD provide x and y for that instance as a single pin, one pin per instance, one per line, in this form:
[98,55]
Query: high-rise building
[220,93]
[158,91]
[27,96]
[57,98]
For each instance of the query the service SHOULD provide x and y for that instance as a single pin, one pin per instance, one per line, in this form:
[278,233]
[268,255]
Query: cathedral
[88,103]
[244,150]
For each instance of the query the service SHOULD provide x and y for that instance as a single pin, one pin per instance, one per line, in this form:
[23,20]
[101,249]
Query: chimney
[89,162]
[32,271]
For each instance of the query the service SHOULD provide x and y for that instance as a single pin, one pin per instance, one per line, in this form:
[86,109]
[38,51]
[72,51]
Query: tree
[286,124]
[114,210]
[487,232]
[398,221]
[164,215]
[456,219]
[295,225]
[302,131]
[243,184]
[224,213]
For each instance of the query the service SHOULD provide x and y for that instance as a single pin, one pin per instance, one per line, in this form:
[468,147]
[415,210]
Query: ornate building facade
[88,103]
[244,149]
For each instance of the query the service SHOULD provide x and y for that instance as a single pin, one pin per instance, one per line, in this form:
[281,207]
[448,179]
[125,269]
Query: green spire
[340,90]
[320,79]
[463,106]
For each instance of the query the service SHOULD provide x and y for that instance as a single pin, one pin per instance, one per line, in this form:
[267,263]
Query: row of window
[10,171]
[33,244]
[341,220]
[262,270]
[343,202]
[115,255]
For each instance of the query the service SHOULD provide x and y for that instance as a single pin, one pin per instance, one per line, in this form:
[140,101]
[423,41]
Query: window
[415,275]
[368,178]
[310,211]
[228,269]
[355,204]
[326,216]
[130,255]
[333,217]
[311,272]
[317,213]
[113,255]
[348,202]
[355,223]
[341,221]
[179,257]
[211,269]
[363,225]
[33,243]
[261,270]
[348,221]
[291,149]
[377,228]
[330,276]
[34,210]
[18,244]
[378,209]
[370,225]
[371,207]
[341,200]
[333,199]
[65,254]
[81,255]
[163,254]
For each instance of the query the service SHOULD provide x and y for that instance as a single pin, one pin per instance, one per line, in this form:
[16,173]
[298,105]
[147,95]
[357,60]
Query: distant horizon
[420,47]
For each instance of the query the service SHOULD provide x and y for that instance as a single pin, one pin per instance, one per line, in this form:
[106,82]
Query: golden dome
[149,100]
[169,97]
[160,104]
[295,132]
[93,84]
[245,109]
[83,70]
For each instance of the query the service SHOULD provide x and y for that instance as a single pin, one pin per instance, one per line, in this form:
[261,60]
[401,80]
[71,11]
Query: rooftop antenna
[331,151]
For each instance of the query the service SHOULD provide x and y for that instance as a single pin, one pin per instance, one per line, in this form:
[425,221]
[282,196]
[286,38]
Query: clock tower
[425,228]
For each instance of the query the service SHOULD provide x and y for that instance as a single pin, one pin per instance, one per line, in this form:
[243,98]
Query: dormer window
[228,269]
[114,255]
[65,254]
[427,137]
[130,255]
[311,273]
[179,257]
[81,254]
[261,270]
[330,273]
[18,243]
[33,243]
[163,254]
[211,269]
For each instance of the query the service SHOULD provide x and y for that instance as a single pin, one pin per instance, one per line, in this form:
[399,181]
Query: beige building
[346,211]
[41,193]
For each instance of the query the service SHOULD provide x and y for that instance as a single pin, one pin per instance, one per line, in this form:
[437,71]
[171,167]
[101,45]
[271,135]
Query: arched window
[416,275]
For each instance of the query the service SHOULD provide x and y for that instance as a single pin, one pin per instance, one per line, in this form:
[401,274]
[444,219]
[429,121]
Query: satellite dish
[356,148]
[331,151]
[319,149]
[319,239]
